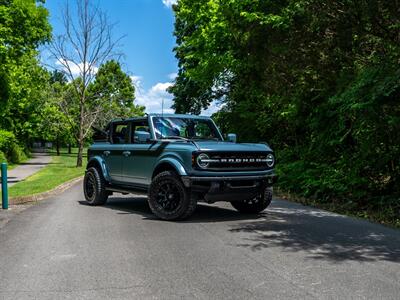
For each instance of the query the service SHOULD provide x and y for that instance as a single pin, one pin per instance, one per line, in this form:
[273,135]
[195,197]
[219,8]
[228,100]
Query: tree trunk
[79,160]
[81,138]
[69,149]
[58,146]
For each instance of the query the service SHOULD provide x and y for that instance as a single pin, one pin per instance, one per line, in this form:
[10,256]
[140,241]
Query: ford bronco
[178,160]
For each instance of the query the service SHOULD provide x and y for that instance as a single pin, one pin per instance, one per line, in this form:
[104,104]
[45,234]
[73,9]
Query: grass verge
[61,169]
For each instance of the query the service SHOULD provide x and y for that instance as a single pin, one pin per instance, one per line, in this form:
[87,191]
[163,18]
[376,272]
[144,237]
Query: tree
[54,125]
[110,94]
[318,80]
[24,26]
[86,44]
[114,90]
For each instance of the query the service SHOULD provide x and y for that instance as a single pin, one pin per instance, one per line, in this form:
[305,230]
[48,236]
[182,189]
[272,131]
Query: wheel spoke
[90,186]
[168,197]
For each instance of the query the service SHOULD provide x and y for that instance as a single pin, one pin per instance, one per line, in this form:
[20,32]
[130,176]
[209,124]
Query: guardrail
[4,186]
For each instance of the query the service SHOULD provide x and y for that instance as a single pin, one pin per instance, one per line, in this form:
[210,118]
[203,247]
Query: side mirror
[142,136]
[232,137]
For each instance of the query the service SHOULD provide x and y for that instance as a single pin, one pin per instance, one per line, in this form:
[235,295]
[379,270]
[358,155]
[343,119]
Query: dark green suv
[178,160]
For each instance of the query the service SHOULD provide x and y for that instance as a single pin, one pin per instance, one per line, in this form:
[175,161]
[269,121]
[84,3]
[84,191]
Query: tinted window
[201,129]
[120,134]
[139,127]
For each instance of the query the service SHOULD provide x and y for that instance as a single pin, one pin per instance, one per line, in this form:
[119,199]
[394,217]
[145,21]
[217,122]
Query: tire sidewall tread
[101,194]
[188,203]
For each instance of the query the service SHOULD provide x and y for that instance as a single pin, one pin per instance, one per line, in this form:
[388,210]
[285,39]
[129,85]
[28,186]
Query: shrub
[10,149]
[2,157]
[7,139]
[17,154]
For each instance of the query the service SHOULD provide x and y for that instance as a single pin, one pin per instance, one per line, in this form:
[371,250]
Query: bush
[10,150]
[7,140]
[17,154]
[2,157]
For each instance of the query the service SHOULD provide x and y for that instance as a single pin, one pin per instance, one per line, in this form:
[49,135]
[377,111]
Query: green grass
[61,169]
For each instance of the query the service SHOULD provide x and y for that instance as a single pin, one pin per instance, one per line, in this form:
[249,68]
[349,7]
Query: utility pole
[162,107]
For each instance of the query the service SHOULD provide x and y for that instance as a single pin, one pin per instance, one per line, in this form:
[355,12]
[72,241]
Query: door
[138,164]
[114,153]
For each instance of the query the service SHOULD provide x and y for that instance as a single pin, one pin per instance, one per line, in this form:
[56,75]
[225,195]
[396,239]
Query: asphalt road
[64,249]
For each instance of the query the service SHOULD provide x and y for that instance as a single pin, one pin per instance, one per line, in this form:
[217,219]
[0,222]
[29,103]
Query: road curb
[37,197]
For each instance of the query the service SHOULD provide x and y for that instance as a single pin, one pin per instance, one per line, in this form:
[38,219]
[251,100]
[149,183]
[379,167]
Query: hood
[231,147]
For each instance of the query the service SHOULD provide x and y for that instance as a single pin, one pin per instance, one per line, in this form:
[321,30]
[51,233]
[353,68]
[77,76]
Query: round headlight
[202,160]
[270,160]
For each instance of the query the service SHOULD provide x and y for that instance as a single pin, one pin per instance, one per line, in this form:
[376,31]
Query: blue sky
[148,29]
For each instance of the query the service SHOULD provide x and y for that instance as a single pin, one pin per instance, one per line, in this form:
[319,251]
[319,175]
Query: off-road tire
[94,187]
[256,205]
[186,204]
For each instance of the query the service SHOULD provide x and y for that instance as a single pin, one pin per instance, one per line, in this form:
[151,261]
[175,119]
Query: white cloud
[160,87]
[137,81]
[75,68]
[169,3]
[213,108]
[172,76]
[153,98]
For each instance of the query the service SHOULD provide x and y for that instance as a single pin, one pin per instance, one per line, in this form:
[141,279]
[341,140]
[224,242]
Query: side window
[120,134]
[140,128]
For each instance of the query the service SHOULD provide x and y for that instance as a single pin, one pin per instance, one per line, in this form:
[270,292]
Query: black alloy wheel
[169,199]
[90,186]
[94,187]
[169,196]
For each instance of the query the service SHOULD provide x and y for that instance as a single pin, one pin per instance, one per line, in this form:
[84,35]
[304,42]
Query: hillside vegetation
[318,80]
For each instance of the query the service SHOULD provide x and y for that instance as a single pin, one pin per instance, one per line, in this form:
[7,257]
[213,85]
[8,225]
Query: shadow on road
[323,235]
[37,164]
[12,179]
[204,213]
[291,227]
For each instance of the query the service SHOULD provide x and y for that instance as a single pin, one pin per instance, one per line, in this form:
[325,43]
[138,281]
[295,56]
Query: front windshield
[185,128]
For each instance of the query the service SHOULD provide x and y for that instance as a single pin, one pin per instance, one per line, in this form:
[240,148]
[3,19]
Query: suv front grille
[237,161]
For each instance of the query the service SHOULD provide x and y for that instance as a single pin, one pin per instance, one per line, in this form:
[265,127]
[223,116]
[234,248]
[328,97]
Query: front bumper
[229,188]
[189,180]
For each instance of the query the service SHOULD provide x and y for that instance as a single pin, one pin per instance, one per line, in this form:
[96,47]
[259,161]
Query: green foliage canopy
[23,27]
[319,80]
[114,89]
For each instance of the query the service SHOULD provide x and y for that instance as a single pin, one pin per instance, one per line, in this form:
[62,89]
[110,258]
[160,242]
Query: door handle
[106,153]
[126,153]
